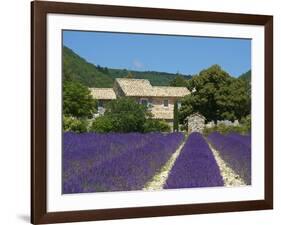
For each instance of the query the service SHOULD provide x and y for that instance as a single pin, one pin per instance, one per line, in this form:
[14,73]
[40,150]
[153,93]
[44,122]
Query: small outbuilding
[102,95]
[195,123]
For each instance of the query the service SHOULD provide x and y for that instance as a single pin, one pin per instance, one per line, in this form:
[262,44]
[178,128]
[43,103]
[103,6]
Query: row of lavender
[195,167]
[114,162]
[235,150]
[242,139]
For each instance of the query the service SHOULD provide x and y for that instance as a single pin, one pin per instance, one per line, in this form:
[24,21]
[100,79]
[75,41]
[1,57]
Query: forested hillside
[246,76]
[78,69]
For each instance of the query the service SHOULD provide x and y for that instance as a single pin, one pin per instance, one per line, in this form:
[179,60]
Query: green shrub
[77,100]
[102,124]
[152,125]
[183,128]
[223,129]
[105,124]
[74,124]
[125,115]
[246,122]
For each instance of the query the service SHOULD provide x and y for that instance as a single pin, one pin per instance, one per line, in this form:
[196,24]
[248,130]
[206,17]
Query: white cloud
[138,64]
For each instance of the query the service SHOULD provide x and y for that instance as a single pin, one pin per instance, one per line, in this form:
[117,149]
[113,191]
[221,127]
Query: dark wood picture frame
[39,11]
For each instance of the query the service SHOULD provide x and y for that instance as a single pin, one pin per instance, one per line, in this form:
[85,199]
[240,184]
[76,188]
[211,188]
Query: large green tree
[77,100]
[247,78]
[216,95]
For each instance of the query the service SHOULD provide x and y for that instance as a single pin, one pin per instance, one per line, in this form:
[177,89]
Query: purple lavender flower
[235,152]
[114,162]
[243,139]
[195,166]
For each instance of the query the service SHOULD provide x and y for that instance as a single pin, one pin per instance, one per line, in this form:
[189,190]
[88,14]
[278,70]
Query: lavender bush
[114,162]
[243,139]
[234,152]
[195,167]
[85,150]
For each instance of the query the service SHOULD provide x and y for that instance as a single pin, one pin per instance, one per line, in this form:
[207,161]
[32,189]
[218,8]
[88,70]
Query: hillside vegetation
[246,76]
[78,69]
[75,68]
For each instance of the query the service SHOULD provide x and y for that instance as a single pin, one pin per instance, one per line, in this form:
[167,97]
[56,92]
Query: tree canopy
[121,115]
[179,81]
[217,96]
[126,115]
[77,100]
[247,78]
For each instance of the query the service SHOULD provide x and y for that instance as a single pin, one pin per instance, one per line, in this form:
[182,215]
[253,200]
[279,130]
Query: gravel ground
[158,181]
[230,178]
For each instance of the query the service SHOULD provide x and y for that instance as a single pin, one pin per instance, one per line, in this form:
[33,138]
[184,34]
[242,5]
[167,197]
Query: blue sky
[183,54]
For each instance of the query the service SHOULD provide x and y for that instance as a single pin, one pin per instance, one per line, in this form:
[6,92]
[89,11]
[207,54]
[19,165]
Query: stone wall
[223,122]
[210,124]
[228,122]
[160,111]
[195,123]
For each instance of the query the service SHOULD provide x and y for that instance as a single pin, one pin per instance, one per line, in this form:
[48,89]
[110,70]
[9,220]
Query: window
[144,101]
[100,103]
[179,105]
[166,103]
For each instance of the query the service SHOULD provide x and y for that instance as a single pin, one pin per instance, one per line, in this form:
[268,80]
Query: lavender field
[235,150]
[114,162]
[95,162]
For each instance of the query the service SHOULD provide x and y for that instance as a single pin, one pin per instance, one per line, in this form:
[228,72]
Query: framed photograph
[144,112]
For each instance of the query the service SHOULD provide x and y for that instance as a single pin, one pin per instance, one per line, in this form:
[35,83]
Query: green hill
[78,69]
[155,78]
[246,76]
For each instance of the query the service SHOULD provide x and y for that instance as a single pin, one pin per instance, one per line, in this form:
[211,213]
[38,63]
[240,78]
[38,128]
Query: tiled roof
[196,114]
[162,91]
[134,87]
[103,93]
[143,88]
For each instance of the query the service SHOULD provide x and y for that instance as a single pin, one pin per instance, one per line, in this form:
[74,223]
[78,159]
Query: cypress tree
[176,117]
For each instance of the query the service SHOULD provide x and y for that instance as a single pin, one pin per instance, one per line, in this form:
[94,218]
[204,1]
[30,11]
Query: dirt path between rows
[230,178]
[158,181]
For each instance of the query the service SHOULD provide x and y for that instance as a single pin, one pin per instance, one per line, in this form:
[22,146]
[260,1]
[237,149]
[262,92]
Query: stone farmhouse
[159,99]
